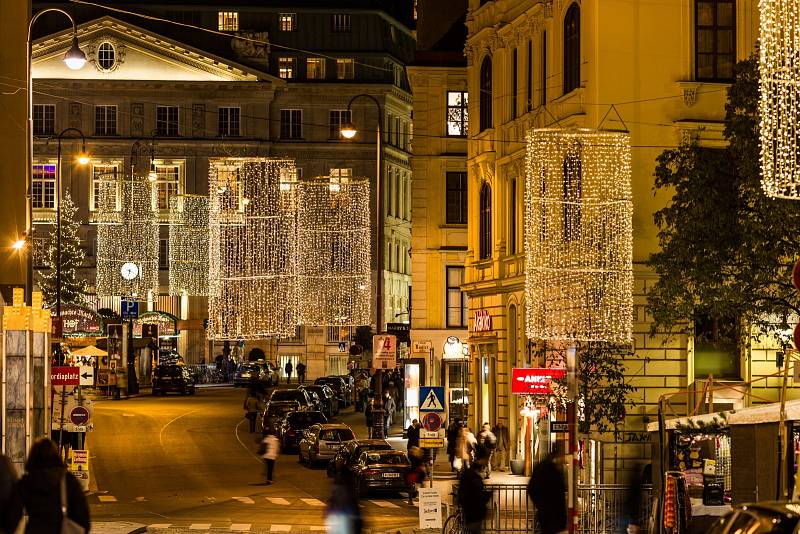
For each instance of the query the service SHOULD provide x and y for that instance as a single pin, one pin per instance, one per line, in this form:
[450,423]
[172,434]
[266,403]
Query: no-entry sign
[79,416]
[65,376]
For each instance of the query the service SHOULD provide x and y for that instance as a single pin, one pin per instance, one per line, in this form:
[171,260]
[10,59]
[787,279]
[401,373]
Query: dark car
[316,401]
[299,395]
[347,456]
[249,374]
[330,404]
[175,378]
[274,413]
[337,385]
[381,470]
[294,424]
[759,518]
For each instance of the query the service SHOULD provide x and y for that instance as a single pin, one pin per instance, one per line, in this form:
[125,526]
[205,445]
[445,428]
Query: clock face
[129,271]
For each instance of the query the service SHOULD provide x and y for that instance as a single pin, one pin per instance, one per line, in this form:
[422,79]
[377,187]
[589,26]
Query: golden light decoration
[252,250]
[779,105]
[188,245]
[579,236]
[334,269]
[127,239]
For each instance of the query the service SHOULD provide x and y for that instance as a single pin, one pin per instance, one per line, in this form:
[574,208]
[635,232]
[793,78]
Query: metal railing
[509,509]
[205,373]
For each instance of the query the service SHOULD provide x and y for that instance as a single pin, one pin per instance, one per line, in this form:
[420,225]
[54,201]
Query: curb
[118,528]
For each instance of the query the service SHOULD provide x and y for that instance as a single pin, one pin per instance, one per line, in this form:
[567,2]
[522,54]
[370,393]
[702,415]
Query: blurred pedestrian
[251,406]
[270,448]
[472,495]
[45,490]
[547,490]
[288,368]
[342,514]
[413,434]
[388,413]
[452,438]
[416,473]
[368,417]
[488,441]
[301,372]
[8,479]
[500,455]
[632,506]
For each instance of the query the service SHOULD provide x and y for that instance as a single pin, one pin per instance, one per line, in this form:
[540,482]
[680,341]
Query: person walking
[46,491]
[547,490]
[270,447]
[368,417]
[488,441]
[251,406]
[8,479]
[388,413]
[472,496]
[452,438]
[500,455]
[301,373]
[413,435]
[415,473]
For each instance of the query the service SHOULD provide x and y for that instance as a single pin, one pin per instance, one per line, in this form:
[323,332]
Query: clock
[129,271]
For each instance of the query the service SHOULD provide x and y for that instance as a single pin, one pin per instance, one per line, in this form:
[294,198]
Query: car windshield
[280,409]
[305,419]
[392,458]
[248,367]
[336,434]
[169,371]
[288,394]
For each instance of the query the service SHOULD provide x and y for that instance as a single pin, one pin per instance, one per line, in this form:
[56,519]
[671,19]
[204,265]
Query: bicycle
[454,524]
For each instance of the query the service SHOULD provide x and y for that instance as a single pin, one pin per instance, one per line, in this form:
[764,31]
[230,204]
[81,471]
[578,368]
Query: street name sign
[431,399]
[431,443]
[384,352]
[559,427]
[430,509]
[421,347]
[65,376]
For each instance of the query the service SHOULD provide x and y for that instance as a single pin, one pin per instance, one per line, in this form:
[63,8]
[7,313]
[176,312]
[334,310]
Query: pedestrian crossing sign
[431,399]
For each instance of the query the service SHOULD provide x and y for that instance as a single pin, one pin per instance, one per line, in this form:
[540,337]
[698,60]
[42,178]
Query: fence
[205,373]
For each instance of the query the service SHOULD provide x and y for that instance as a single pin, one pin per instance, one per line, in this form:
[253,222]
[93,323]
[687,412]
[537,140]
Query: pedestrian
[251,406]
[343,515]
[301,373]
[413,434]
[488,441]
[452,438]
[415,473]
[472,496]
[465,446]
[45,490]
[270,447]
[500,455]
[368,417]
[547,490]
[8,479]
[631,522]
[388,413]
[288,370]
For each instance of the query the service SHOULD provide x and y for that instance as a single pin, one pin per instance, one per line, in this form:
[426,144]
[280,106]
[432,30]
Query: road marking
[317,528]
[161,525]
[140,499]
[240,527]
[313,502]
[236,433]
[385,504]
[163,428]
[278,500]
[129,415]
[200,526]
[107,498]
[280,528]
[244,500]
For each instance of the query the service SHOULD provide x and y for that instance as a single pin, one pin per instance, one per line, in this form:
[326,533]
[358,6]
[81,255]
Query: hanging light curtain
[578,236]
[334,269]
[188,245]
[252,250]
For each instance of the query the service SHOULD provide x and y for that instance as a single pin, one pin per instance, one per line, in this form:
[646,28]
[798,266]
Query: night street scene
[400,266]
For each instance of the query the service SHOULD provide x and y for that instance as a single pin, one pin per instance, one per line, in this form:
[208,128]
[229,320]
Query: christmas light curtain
[578,236]
[188,245]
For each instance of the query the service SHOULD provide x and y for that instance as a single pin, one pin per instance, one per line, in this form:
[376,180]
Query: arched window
[486,94]
[513,349]
[572,174]
[572,49]
[512,216]
[485,223]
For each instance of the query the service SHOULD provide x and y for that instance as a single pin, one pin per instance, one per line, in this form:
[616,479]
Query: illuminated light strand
[579,236]
[188,245]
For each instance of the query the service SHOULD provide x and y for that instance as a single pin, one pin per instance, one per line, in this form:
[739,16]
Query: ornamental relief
[113,62]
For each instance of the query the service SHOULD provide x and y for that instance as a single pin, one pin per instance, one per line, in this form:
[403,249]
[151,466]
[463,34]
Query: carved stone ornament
[74,114]
[251,45]
[198,120]
[92,47]
[137,119]
[690,96]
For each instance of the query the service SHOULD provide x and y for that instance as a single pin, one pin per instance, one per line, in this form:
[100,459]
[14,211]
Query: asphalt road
[190,462]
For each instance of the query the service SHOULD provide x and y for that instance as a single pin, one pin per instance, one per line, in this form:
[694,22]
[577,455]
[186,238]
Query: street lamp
[349,131]
[74,59]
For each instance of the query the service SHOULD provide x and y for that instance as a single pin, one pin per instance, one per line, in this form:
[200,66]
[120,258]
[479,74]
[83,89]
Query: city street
[190,462]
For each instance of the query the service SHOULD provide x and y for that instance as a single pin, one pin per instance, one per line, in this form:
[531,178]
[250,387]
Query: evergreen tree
[73,288]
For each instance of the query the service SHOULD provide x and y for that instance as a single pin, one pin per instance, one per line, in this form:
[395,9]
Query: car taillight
[371,472]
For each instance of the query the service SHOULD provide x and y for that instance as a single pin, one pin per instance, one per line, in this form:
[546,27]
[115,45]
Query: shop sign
[79,321]
[534,380]
[421,347]
[559,427]
[402,331]
[166,323]
[637,437]
[482,321]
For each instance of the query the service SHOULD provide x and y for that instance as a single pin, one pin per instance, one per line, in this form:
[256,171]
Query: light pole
[75,59]
[349,131]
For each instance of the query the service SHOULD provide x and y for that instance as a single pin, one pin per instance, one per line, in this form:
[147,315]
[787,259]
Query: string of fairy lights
[188,245]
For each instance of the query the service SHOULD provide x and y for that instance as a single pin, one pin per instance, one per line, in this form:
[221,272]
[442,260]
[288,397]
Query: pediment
[140,55]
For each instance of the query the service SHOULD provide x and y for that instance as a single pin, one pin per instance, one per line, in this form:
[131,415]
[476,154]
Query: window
[167,184]
[44,186]
[106,56]
[44,119]
[397,131]
[338,117]
[456,299]
[486,94]
[341,23]
[514,88]
[315,68]
[389,124]
[229,121]
[485,222]
[512,216]
[105,120]
[529,79]
[286,68]
[572,177]
[167,121]
[456,198]
[715,39]
[163,254]
[228,21]
[457,114]
[572,49]
[344,69]
[291,123]
[338,334]
[105,186]
[543,72]
[287,22]
[715,348]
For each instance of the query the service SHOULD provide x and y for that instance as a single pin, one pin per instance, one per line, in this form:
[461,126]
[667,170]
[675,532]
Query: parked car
[344,460]
[322,442]
[759,518]
[274,413]
[330,404]
[249,374]
[299,395]
[381,470]
[337,385]
[294,424]
[175,378]
[316,401]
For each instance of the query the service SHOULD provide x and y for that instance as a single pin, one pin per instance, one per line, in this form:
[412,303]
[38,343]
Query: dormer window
[106,56]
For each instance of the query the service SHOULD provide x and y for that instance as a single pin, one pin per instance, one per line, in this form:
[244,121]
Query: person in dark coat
[38,492]
[301,372]
[548,491]
[288,368]
[452,436]
[472,497]
[8,479]
[413,434]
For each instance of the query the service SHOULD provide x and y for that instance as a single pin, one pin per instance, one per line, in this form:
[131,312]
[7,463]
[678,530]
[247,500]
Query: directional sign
[87,375]
[79,416]
[431,399]
[129,309]
[65,376]
[431,421]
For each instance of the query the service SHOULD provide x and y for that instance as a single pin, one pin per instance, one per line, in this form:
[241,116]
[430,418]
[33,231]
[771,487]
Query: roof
[764,413]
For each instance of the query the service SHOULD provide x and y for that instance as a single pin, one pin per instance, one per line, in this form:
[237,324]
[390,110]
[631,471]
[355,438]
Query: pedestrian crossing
[278,501]
[157,528]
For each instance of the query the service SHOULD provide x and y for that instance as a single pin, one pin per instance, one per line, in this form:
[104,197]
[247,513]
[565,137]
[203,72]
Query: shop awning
[89,350]
[764,413]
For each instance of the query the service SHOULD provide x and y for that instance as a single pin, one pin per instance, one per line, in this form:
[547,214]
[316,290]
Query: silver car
[323,441]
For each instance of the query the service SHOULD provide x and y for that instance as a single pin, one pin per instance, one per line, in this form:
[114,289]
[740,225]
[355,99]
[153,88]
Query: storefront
[455,378]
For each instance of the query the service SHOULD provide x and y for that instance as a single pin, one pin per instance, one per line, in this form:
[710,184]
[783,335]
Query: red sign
[79,416]
[482,322]
[57,327]
[431,422]
[65,376]
[534,380]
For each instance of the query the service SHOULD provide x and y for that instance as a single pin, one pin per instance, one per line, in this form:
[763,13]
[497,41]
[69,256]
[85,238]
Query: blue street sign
[431,399]
[129,309]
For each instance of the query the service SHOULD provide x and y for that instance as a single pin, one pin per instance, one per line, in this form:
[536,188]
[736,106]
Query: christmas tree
[73,288]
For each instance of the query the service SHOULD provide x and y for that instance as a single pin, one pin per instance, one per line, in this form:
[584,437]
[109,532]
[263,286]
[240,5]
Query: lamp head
[348,130]
[19,244]
[83,157]
[152,175]
[75,58]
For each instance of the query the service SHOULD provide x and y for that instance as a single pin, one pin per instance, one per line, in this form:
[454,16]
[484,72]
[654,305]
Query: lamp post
[349,131]
[75,59]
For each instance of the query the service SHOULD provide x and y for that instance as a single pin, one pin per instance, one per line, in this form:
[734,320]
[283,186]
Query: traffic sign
[431,399]
[129,309]
[431,443]
[431,421]
[559,427]
[384,352]
[79,416]
[87,375]
[65,376]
